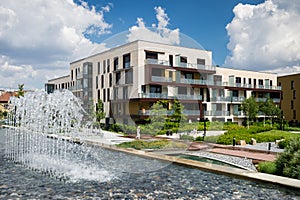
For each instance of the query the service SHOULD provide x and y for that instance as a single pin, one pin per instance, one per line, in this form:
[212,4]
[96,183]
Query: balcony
[154,96]
[265,87]
[181,64]
[188,97]
[216,113]
[161,79]
[228,99]
[165,96]
[168,112]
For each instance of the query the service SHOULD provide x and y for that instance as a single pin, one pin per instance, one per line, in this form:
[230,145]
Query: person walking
[138,133]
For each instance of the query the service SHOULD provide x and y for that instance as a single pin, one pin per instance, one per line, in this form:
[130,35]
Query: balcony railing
[266,87]
[161,79]
[188,97]
[165,96]
[216,113]
[154,95]
[168,112]
[228,99]
[181,64]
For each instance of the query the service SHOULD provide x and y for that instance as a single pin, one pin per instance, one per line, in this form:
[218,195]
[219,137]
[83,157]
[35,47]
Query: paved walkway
[245,154]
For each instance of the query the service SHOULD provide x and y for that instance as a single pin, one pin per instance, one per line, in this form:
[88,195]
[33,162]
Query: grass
[267,167]
[157,144]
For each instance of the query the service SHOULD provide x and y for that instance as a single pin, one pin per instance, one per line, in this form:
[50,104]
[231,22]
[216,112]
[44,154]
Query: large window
[294,94]
[110,79]
[200,61]
[292,104]
[155,89]
[260,82]
[102,81]
[108,66]
[126,61]
[292,85]
[151,55]
[116,63]
[129,77]
[99,68]
[125,92]
[118,78]
[104,66]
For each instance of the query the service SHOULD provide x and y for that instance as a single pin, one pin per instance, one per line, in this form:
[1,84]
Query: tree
[287,163]
[250,109]
[270,109]
[177,117]
[99,113]
[20,91]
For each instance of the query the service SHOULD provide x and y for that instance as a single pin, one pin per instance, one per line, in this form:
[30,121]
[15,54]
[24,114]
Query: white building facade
[130,78]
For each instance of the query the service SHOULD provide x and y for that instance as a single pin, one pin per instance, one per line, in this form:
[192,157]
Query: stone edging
[234,172]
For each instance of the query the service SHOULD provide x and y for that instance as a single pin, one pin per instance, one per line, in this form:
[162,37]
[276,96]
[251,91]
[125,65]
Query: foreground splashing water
[45,136]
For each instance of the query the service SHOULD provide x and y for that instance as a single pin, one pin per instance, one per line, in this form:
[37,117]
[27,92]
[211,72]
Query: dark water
[170,182]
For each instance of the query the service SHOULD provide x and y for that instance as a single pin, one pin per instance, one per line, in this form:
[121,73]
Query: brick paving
[247,154]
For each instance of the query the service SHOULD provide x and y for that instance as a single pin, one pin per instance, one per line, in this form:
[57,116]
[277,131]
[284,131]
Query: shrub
[267,167]
[199,138]
[187,137]
[282,144]
[157,144]
[287,163]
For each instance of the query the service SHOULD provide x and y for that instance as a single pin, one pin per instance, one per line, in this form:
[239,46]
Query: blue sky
[38,39]
[204,21]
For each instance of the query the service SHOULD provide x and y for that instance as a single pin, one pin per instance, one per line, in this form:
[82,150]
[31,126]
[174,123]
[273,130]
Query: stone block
[242,142]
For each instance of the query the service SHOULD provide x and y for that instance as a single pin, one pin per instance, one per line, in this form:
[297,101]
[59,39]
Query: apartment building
[130,78]
[290,103]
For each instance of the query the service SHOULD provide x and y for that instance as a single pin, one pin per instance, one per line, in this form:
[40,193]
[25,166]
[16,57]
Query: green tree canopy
[250,108]
[20,91]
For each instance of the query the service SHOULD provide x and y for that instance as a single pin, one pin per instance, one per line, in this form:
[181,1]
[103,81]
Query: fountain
[44,155]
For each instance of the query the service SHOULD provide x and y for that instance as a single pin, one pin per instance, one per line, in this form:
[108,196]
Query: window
[99,67]
[118,78]
[102,81]
[155,89]
[151,55]
[244,80]
[110,80]
[108,94]
[294,114]
[254,82]
[260,82]
[157,72]
[126,61]
[125,93]
[200,61]
[116,93]
[294,94]
[292,85]
[116,63]
[182,90]
[104,95]
[72,74]
[108,65]
[292,104]
[271,83]
[129,77]
[104,66]
[249,81]
[189,76]
[99,95]
[183,59]
[171,60]
[238,81]
[97,82]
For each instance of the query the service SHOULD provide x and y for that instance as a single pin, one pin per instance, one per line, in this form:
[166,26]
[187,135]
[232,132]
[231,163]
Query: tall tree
[270,109]
[99,112]
[250,109]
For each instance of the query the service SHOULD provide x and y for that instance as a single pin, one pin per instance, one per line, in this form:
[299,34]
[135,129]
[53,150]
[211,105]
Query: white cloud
[160,33]
[265,36]
[44,36]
